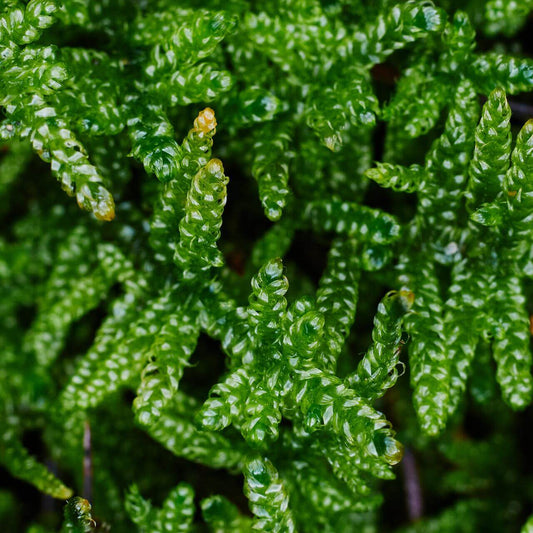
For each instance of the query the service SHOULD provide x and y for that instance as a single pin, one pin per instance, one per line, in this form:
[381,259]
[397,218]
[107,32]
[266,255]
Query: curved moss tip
[528,127]
[64,493]
[274,268]
[408,298]
[394,451]
[388,448]
[333,142]
[525,136]
[498,94]
[78,515]
[205,122]
[98,200]
[215,166]
[403,299]
[106,214]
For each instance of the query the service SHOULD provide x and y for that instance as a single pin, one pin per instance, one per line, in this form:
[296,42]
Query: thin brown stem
[87,463]
[413,489]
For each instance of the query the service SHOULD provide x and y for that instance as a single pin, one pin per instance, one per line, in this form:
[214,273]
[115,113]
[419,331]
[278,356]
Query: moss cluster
[287,205]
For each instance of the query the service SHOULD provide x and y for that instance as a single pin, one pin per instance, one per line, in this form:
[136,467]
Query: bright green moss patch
[179,351]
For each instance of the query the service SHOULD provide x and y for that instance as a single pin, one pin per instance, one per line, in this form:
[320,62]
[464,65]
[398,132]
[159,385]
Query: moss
[216,149]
